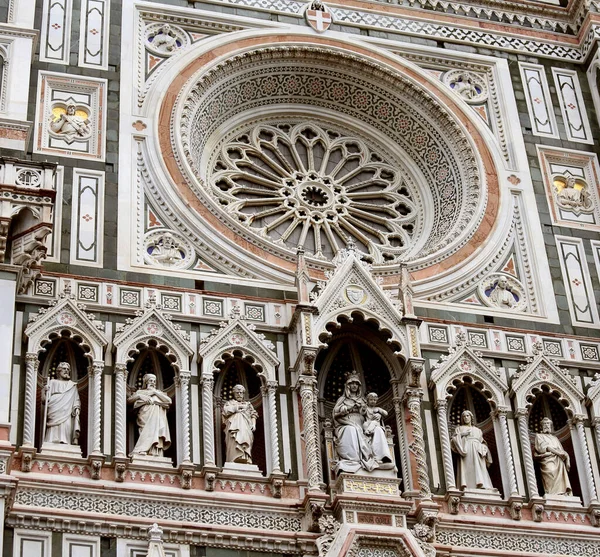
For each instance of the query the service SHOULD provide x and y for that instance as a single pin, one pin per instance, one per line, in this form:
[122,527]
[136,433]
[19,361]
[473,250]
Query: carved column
[31,368]
[596,424]
[500,415]
[441,407]
[120,410]
[271,397]
[413,403]
[577,422]
[522,416]
[183,382]
[95,371]
[208,412]
[308,396]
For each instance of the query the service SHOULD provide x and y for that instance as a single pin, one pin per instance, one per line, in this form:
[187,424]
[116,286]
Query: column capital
[183,378]
[441,404]
[31,357]
[96,367]
[500,411]
[413,395]
[306,381]
[596,421]
[522,412]
[577,419]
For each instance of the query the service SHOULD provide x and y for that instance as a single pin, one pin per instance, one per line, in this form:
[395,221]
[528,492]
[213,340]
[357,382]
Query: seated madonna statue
[359,447]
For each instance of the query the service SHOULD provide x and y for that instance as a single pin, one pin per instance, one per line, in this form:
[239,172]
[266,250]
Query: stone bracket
[515,504]
[96,462]
[121,463]
[26,454]
[186,475]
[210,473]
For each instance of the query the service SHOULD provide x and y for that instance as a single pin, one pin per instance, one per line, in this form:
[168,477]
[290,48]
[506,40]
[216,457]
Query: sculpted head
[149,381]
[547,425]
[63,371]
[71,109]
[372,399]
[239,392]
[502,283]
[353,384]
[466,418]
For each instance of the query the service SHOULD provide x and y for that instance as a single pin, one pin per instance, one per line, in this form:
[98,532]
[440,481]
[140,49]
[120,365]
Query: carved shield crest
[356,294]
[319,19]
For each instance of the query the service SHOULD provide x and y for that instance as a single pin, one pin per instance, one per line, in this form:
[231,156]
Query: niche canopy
[314,146]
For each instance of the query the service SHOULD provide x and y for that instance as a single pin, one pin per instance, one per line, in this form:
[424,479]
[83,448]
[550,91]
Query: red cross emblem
[320,21]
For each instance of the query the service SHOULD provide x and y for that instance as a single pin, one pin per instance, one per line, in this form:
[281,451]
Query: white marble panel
[572,105]
[93,34]
[539,102]
[55,42]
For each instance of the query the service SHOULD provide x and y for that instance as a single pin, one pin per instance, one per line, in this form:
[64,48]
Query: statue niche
[473,441]
[239,418]
[151,399]
[552,449]
[63,399]
[356,404]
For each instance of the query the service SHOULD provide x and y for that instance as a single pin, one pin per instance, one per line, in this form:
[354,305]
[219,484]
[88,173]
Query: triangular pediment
[238,334]
[66,314]
[463,361]
[350,288]
[543,371]
[153,324]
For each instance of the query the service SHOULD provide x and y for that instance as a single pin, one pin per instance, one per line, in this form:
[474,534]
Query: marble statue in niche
[62,408]
[167,251]
[151,405]
[360,440]
[165,39]
[474,456]
[553,460]
[239,423]
[71,125]
[500,296]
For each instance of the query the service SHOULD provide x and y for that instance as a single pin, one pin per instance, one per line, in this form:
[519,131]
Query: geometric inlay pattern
[156,510]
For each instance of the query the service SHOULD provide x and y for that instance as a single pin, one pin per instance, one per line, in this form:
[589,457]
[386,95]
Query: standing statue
[71,125]
[239,422]
[375,431]
[152,406]
[501,296]
[62,408]
[554,461]
[473,455]
[352,445]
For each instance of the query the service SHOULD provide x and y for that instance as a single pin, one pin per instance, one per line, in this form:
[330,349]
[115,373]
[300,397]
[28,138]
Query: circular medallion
[66,318]
[153,328]
[237,339]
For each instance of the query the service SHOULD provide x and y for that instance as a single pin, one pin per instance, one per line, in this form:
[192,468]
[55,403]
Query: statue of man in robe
[473,455]
[62,408]
[554,461]
[239,422]
[501,296]
[152,405]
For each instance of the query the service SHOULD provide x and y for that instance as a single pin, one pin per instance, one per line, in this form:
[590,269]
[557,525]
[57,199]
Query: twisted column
[208,418]
[120,409]
[95,371]
[413,402]
[31,368]
[500,415]
[312,443]
[183,380]
[527,456]
[441,407]
[587,463]
[596,424]
[271,396]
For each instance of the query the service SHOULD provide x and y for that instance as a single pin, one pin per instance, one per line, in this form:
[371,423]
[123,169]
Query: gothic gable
[462,361]
[65,314]
[542,371]
[153,324]
[236,335]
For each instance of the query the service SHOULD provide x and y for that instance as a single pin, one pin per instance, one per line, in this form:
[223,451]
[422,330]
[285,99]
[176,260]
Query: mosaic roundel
[305,146]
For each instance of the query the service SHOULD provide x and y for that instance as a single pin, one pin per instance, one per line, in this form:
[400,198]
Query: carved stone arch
[153,329]
[543,374]
[238,339]
[464,366]
[66,319]
[542,371]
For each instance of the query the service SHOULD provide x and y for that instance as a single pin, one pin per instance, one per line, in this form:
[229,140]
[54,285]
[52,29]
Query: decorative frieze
[70,116]
[87,218]
[539,102]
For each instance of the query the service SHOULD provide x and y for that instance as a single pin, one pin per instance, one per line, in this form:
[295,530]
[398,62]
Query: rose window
[315,186]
